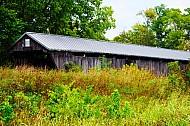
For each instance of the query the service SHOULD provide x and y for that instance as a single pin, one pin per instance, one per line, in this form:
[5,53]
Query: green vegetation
[105,64]
[126,96]
[163,27]
[86,18]
[70,66]
[79,18]
[11,28]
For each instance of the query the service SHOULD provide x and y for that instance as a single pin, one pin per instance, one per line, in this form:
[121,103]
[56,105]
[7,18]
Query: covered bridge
[54,51]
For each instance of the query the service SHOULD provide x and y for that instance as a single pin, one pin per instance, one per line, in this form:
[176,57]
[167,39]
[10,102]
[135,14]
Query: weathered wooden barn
[54,51]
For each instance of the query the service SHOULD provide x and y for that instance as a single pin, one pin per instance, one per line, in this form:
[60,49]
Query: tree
[170,27]
[163,27]
[122,37]
[149,16]
[187,23]
[140,34]
[11,28]
[82,18]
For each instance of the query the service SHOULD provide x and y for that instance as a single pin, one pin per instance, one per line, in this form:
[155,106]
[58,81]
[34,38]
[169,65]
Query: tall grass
[126,96]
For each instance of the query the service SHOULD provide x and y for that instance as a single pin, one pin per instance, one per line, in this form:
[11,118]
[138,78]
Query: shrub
[70,66]
[126,96]
[6,110]
[104,63]
[178,78]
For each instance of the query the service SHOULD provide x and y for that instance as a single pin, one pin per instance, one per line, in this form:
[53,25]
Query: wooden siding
[157,66]
[85,60]
[33,46]
[61,58]
[56,59]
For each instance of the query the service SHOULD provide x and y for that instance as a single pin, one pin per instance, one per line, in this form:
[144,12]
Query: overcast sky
[125,11]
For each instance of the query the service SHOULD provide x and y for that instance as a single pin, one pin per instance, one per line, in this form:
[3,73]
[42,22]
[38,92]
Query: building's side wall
[17,59]
[33,58]
[85,60]
[157,66]
[21,55]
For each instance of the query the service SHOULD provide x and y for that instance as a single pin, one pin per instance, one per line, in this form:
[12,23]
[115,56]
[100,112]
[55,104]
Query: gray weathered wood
[85,59]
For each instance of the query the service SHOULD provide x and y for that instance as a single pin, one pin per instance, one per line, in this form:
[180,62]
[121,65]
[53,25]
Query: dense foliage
[126,96]
[81,18]
[11,27]
[86,18]
[163,27]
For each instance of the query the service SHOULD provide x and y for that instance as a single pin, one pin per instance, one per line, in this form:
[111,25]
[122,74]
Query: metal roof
[67,43]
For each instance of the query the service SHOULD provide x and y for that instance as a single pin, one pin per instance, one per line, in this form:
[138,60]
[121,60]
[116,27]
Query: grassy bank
[126,96]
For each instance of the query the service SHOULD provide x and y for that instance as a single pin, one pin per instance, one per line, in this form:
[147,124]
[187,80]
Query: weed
[126,96]
[104,63]
[6,110]
[70,66]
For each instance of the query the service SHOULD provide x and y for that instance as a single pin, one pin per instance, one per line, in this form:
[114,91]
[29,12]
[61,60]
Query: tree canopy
[82,18]
[140,34]
[11,28]
[163,27]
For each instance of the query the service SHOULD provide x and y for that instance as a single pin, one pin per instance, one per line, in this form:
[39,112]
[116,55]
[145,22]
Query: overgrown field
[126,96]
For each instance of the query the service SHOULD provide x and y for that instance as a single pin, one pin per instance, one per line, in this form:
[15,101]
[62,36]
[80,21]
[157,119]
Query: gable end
[26,43]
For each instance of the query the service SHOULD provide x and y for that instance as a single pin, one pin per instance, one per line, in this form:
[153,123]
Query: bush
[70,66]
[6,110]
[104,63]
[178,79]
[126,96]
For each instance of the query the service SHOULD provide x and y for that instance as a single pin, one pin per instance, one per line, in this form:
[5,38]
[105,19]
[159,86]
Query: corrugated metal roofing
[67,43]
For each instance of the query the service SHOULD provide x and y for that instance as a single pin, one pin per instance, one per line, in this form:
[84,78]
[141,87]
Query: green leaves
[6,110]
[140,34]
[72,103]
[82,18]
[79,18]
[170,27]
[179,79]
[11,29]
[131,97]
[163,27]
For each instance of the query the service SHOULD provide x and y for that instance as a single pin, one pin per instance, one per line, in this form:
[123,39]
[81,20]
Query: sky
[125,11]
